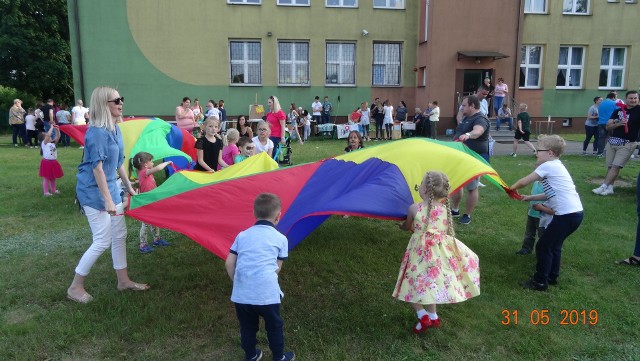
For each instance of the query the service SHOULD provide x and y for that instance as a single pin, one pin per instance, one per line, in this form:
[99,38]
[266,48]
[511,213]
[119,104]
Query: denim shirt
[101,145]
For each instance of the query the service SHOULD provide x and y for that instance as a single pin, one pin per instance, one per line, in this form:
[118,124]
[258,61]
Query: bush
[7,95]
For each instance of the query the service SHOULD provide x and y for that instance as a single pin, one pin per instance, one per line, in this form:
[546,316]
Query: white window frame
[609,68]
[387,62]
[574,4]
[341,62]
[526,65]
[568,67]
[391,4]
[295,63]
[245,62]
[630,1]
[340,5]
[244,2]
[529,9]
[294,3]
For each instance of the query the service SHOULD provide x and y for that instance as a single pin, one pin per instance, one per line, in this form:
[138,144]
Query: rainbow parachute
[379,182]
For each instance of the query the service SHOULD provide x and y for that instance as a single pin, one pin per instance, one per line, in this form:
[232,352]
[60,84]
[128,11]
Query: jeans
[530,231]
[65,140]
[47,126]
[21,131]
[249,318]
[106,230]
[602,137]
[501,120]
[433,130]
[497,103]
[326,118]
[591,132]
[549,247]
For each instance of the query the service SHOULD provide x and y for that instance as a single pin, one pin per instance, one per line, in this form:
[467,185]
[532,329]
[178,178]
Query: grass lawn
[338,282]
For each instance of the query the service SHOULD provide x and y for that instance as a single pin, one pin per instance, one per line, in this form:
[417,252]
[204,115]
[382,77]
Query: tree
[35,56]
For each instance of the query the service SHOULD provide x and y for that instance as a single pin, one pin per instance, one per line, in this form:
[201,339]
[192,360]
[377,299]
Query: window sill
[569,88]
[244,85]
[536,13]
[530,87]
[609,88]
[577,14]
[334,85]
[295,85]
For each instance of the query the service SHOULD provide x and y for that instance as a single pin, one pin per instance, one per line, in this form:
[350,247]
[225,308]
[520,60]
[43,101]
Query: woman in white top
[434,117]
[80,113]
[365,119]
[388,118]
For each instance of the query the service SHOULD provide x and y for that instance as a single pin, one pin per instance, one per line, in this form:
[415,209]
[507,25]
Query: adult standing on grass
[591,127]
[99,195]
[605,110]
[16,120]
[624,126]
[277,120]
[473,130]
[80,113]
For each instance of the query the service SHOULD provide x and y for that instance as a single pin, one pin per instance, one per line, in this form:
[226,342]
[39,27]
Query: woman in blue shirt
[99,195]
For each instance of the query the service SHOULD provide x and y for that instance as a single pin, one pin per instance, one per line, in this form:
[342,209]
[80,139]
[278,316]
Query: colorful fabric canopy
[380,182]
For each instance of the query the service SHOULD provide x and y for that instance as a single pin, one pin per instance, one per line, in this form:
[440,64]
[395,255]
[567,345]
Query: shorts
[473,184]
[524,136]
[619,155]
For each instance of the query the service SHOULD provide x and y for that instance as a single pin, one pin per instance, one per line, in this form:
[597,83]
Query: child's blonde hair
[209,120]
[435,186]
[523,106]
[232,135]
[553,142]
[140,159]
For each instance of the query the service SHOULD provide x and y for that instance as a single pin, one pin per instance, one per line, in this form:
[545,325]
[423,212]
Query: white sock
[432,316]
[610,187]
[453,210]
[420,314]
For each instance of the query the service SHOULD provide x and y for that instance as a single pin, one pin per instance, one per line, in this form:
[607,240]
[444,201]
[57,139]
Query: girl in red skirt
[50,169]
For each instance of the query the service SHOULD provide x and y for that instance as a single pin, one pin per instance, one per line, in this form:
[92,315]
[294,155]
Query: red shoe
[425,322]
[434,323]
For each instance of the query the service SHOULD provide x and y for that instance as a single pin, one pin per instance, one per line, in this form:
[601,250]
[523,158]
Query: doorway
[473,78]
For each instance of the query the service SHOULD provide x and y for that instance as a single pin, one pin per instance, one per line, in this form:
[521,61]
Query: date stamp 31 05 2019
[543,317]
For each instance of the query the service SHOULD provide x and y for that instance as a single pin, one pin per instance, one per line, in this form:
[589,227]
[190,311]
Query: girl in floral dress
[436,267]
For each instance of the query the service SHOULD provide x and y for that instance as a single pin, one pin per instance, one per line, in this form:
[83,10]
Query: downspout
[76,18]
[516,68]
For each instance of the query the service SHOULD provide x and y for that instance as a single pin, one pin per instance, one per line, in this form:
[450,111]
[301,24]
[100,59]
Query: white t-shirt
[79,114]
[435,114]
[388,114]
[484,107]
[365,117]
[49,151]
[30,121]
[558,186]
[317,105]
[213,112]
[260,147]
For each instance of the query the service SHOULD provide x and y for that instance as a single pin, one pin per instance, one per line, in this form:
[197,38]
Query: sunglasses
[117,101]
[249,148]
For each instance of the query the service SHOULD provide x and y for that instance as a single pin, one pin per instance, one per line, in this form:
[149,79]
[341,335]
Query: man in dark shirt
[473,130]
[48,111]
[622,141]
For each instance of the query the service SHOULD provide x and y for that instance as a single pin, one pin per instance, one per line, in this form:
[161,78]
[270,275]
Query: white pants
[106,230]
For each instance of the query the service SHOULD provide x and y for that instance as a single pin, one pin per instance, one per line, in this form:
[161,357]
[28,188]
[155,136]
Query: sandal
[84,299]
[135,287]
[631,261]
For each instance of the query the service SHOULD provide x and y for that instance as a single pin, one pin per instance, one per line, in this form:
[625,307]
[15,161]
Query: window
[422,76]
[612,65]
[251,2]
[341,64]
[630,1]
[245,62]
[530,66]
[535,6]
[575,7]
[341,3]
[570,67]
[294,2]
[386,63]
[388,4]
[293,63]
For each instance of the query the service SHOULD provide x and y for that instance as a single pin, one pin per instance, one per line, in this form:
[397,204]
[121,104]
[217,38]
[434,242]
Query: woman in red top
[276,119]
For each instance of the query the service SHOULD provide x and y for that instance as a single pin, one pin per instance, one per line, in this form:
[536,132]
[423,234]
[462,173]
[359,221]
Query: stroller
[282,153]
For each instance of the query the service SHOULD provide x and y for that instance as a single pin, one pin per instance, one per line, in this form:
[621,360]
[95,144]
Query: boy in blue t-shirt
[254,260]
[536,223]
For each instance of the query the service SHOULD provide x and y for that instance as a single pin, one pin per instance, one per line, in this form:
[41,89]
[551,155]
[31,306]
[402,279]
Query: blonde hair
[99,112]
[523,106]
[435,186]
[212,119]
[276,104]
[232,134]
[553,142]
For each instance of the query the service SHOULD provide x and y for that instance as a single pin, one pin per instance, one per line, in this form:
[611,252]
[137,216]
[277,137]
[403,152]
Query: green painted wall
[610,24]
[158,51]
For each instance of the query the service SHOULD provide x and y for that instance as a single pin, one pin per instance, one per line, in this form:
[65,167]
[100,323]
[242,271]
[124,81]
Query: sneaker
[523,251]
[81,147]
[146,249]
[599,190]
[607,191]
[455,213]
[534,286]
[257,357]
[161,243]
[15,145]
[288,356]
[56,192]
[584,153]
[481,185]
[465,219]
[48,194]
[514,155]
